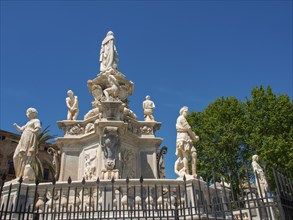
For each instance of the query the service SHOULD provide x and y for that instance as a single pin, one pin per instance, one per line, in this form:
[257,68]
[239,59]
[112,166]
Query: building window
[11,167]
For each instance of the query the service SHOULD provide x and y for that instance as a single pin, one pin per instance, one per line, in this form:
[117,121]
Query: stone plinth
[83,149]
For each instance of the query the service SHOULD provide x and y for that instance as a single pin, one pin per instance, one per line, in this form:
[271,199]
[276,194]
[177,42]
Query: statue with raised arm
[148,106]
[108,53]
[184,143]
[27,148]
[261,181]
[72,105]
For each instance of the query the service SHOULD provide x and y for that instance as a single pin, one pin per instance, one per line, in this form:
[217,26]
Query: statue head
[70,93]
[31,113]
[147,97]
[110,164]
[255,157]
[183,109]
[110,33]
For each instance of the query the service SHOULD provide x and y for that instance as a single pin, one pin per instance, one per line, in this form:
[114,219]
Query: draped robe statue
[24,156]
[261,181]
[108,53]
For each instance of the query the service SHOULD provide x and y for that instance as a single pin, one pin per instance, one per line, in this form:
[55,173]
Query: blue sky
[178,52]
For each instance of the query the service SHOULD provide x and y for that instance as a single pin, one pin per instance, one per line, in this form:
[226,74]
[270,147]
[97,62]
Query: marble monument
[109,142]
[260,178]
[185,148]
[25,154]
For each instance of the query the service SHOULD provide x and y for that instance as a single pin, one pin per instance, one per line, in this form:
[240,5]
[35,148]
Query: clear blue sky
[178,52]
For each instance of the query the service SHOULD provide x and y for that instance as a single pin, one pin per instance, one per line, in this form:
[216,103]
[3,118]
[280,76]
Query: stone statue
[93,112]
[95,90]
[113,89]
[24,156]
[72,104]
[108,53]
[129,113]
[148,106]
[55,161]
[184,143]
[261,181]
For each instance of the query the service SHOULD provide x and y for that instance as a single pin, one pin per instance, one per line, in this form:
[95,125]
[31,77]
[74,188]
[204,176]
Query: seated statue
[113,89]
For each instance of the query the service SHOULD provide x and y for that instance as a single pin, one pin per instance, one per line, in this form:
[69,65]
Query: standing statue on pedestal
[108,53]
[148,106]
[261,181]
[184,146]
[72,104]
[24,156]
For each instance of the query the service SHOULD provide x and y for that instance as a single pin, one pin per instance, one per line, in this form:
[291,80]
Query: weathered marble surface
[148,107]
[108,53]
[261,181]
[24,157]
[185,148]
[84,147]
[72,105]
[110,141]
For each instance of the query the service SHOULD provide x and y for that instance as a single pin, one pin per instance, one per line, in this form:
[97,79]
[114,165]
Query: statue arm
[185,124]
[182,124]
[75,104]
[18,128]
[193,136]
[67,104]
[37,125]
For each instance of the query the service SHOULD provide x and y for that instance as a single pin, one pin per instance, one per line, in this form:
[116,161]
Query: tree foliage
[270,128]
[222,147]
[231,131]
[44,138]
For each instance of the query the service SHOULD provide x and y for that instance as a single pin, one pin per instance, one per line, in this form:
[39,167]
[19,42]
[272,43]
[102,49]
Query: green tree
[44,139]
[270,129]
[232,131]
[222,147]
